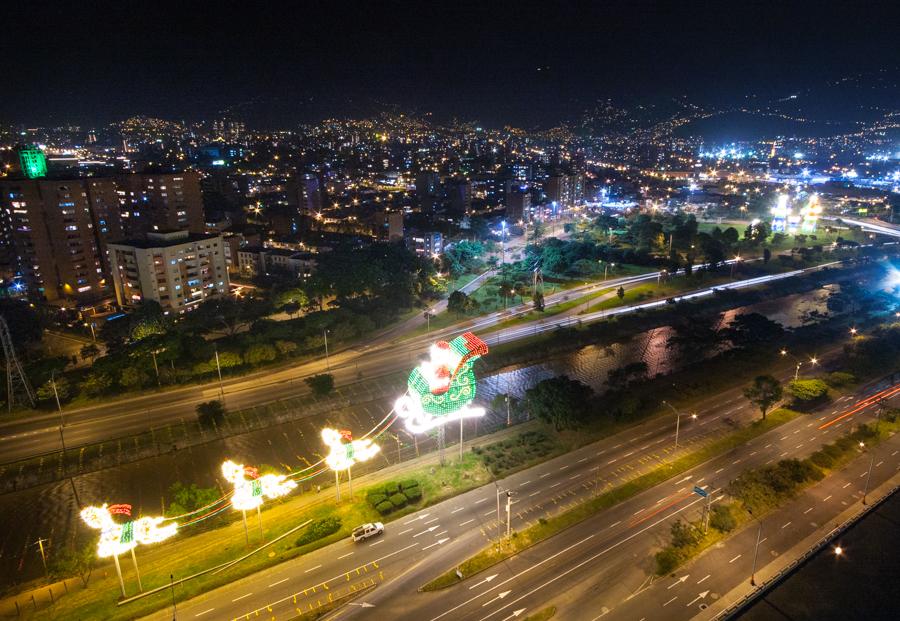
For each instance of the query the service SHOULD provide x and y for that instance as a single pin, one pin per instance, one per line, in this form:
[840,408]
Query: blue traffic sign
[700,491]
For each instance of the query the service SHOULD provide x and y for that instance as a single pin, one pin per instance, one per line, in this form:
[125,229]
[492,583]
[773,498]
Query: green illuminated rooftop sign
[34,164]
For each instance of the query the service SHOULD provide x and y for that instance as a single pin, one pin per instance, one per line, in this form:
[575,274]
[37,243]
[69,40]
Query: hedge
[318,529]
[384,507]
[398,500]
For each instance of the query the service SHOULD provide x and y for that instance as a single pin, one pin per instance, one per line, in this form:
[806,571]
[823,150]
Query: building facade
[160,202]
[177,269]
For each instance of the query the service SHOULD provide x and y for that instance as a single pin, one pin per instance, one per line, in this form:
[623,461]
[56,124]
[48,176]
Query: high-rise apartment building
[176,269]
[160,202]
[56,244]
[388,225]
[565,190]
[459,195]
[518,205]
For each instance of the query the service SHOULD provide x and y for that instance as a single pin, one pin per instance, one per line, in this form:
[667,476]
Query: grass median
[548,527]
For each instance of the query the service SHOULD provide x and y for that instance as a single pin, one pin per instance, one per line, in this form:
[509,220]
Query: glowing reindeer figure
[249,493]
[116,538]
[345,451]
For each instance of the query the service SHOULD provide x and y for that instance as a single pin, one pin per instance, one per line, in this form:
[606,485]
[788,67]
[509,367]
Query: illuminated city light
[442,388]
[345,451]
[116,538]
[250,488]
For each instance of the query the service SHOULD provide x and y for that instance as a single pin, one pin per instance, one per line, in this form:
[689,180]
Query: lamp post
[813,361]
[756,549]
[678,416]
[327,363]
[62,439]
[219,371]
[862,445]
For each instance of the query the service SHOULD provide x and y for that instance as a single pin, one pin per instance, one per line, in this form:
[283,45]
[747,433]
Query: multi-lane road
[597,565]
[39,434]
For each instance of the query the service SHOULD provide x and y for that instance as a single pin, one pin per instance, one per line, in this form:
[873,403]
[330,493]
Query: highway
[419,546]
[39,434]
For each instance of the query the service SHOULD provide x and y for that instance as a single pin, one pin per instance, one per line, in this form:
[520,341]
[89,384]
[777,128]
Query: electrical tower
[16,382]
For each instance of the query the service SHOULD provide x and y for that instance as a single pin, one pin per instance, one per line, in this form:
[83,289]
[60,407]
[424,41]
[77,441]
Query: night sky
[524,63]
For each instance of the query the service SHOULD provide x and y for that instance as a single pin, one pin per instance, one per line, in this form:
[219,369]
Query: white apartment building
[177,269]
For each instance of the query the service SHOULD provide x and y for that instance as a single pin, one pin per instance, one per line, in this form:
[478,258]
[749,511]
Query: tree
[767,255]
[520,290]
[457,302]
[74,562]
[90,351]
[133,377]
[259,353]
[620,293]
[752,329]
[210,413]
[764,392]
[187,498]
[96,383]
[63,389]
[560,401]
[538,299]
[623,376]
[505,290]
[321,384]
[695,336]
[25,325]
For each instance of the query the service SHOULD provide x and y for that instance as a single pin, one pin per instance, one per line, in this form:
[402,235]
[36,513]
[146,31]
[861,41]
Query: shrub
[398,500]
[413,494]
[667,560]
[376,499]
[407,484]
[722,519]
[384,507]
[391,488]
[839,379]
[210,413]
[809,392]
[319,529]
[822,459]
[684,534]
[321,385]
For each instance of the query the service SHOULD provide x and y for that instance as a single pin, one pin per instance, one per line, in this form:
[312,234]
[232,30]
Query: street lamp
[678,416]
[853,331]
[756,549]
[838,550]
[813,361]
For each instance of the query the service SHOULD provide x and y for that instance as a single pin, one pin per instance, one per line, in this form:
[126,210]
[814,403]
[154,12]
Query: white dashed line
[719,470]
[735,558]
[457,510]
[466,522]
[376,543]
[786,525]
[670,601]
[200,614]
[847,485]
[402,532]
[241,597]
[826,497]
[348,554]
[807,511]
[284,580]
[616,524]
[701,580]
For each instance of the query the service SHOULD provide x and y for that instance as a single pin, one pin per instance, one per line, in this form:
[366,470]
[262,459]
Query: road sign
[700,492]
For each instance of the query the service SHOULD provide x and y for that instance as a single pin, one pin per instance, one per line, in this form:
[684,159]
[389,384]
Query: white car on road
[361,533]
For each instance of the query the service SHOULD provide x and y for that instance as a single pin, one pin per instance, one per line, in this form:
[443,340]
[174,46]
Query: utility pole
[62,439]
[174,605]
[868,476]
[327,363]
[460,439]
[219,370]
[508,498]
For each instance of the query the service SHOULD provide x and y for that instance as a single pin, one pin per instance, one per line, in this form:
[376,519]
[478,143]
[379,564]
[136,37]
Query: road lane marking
[430,521]
[879,463]
[306,571]
[786,525]
[534,493]
[670,601]
[241,597]
[807,511]
[564,467]
[826,497]
[525,483]
[457,510]
[703,578]
[847,485]
[491,512]
[555,484]
[615,524]
[719,470]
[546,474]
[572,478]
[568,571]
[375,543]
[612,461]
[346,555]
[200,614]
[735,558]
[466,522]
[402,532]
[480,500]
[863,474]
[582,460]
[280,581]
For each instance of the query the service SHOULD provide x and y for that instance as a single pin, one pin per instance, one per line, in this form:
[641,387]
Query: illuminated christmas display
[345,451]
[116,538]
[811,214]
[442,388]
[250,488]
[780,214]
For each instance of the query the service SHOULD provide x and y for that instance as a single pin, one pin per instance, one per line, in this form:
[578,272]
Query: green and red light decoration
[442,388]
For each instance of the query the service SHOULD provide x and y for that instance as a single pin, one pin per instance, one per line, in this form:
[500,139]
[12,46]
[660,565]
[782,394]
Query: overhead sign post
[704,494]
